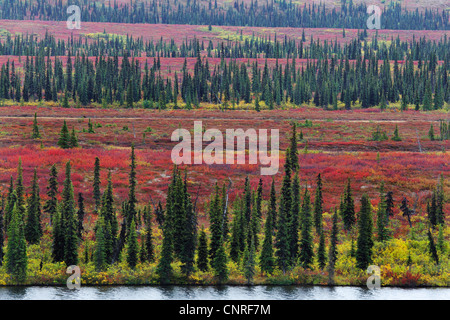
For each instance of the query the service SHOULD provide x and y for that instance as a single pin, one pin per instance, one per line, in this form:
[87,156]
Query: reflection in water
[221,293]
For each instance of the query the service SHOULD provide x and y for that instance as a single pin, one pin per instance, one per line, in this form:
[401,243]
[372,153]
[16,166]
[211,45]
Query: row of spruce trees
[291,222]
[267,46]
[260,14]
[324,82]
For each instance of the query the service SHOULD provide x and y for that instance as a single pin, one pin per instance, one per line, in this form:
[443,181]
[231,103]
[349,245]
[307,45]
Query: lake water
[221,293]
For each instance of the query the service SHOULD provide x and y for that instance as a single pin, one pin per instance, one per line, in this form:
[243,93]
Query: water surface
[221,293]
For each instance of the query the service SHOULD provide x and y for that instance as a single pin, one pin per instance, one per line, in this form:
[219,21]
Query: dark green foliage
[282,237]
[215,219]
[332,251]
[266,260]
[149,249]
[96,185]
[389,205]
[164,269]
[202,256]
[19,193]
[58,236]
[432,248]
[33,229]
[365,242]
[51,204]
[382,231]
[132,201]
[379,135]
[132,246]
[90,127]
[321,252]
[80,216]
[16,251]
[73,139]
[35,134]
[100,255]
[69,224]
[225,223]
[347,207]
[431,133]
[249,262]
[237,242]
[318,206]
[306,255]
[219,264]
[108,213]
[293,222]
[64,137]
[10,202]
[293,150]
[396,136]
[188,233]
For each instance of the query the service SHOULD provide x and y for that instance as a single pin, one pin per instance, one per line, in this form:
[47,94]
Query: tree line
[259,14]
[288,227]
[324,82]
[240,46]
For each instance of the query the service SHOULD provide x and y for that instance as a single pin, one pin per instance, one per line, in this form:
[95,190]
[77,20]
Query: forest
[420,79]
[261,14]
[279,237]
[86,118]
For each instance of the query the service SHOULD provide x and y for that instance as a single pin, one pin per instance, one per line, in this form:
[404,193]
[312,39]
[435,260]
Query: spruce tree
[321,255]
[282,238]
[109,215]
[202,256]
[364,242]
[215,220]
[237,241]
[33,229]
[164,269]
[100,257]
[389,205]
[90,127]
[188,233]
[51,204]
[73,142]
[382,231]
[58,236]
[249,261]
[132,200]
[427,98]
[69,221]
[348,208]
[35,134]
[266,260]
[16,250]
[219,264]
[318,206]
[64,137]
[332,251]
[293,154]
[96,185]
[132,246]
[20,193]
[293,223]
[432,247]
[396,136]
[10,202]
[431,133]
[306,255]
[80,215]
[149,253]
